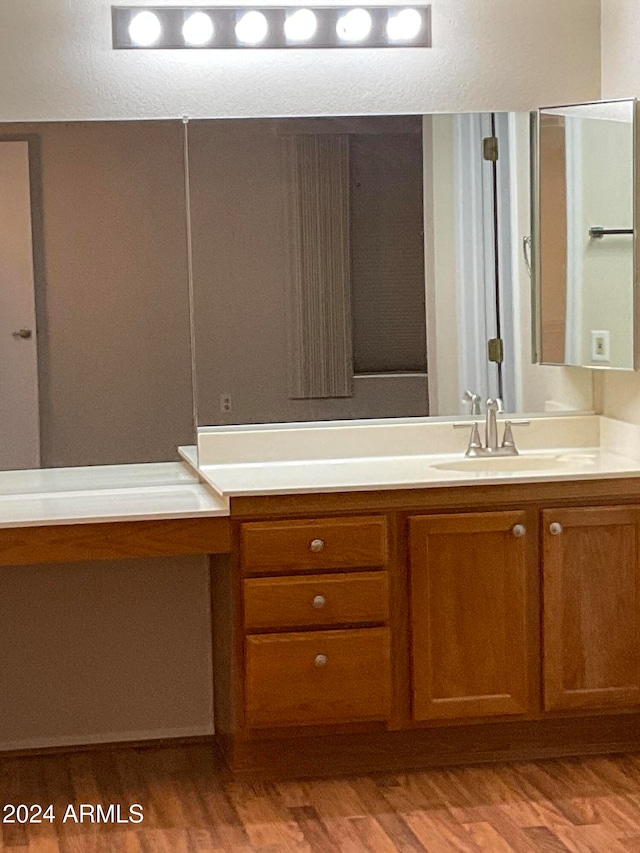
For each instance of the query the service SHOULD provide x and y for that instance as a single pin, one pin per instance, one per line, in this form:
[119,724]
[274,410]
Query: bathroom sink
[507,464]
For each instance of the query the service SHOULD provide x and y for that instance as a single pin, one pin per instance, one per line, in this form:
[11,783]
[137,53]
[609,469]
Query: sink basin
[507,464]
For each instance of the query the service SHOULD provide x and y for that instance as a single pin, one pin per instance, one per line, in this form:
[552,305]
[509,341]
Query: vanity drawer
[308,602]
[318,678]
[276,547]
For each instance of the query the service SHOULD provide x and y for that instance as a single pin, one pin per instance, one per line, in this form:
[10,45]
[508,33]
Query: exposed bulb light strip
[251,27]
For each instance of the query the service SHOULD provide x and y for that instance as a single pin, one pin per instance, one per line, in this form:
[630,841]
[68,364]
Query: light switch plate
[600,346]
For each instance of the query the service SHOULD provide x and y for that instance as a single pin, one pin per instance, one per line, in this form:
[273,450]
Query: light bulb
[145,29]
[301,25]
[404,25]
[354,26]
[252,28]
[198,29]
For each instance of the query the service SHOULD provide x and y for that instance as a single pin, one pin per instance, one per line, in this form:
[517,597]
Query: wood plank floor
[589,805]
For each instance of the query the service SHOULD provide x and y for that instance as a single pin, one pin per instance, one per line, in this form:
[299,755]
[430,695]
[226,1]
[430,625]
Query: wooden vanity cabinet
[317,647]
[591,611]
[397,630]
[473,614]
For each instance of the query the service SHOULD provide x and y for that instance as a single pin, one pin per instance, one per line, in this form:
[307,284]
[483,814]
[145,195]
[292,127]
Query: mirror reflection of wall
[346,268]
[308,268]
[94,269]
[586,198]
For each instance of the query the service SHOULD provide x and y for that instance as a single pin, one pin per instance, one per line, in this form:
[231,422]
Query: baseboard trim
[117,741]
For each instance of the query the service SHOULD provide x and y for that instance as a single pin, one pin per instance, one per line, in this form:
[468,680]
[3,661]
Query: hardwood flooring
[191,805]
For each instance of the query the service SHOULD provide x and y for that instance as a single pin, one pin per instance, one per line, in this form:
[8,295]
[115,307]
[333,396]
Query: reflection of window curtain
[319,291]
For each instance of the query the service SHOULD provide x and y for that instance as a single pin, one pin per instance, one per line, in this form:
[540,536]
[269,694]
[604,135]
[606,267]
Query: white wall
[607,265]
[56,62]
[621,79]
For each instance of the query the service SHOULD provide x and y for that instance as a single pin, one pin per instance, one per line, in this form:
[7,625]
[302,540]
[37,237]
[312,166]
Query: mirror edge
[636,223]
[534,131]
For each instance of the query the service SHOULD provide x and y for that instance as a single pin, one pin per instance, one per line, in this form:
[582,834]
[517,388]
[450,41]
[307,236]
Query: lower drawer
[318,678]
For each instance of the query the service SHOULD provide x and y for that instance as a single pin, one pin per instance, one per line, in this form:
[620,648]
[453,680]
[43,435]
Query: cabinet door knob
[317,545]
[555,529]
[321,660]
[319,601]
[519,530]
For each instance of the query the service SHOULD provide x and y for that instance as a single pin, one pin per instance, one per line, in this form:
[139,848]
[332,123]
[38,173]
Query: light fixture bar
[281,27]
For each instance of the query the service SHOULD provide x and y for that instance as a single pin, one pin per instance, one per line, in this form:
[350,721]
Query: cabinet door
[591,625]
[473,612]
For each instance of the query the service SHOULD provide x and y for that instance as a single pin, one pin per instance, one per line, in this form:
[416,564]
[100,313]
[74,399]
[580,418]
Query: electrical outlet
[225,404]
[600,348]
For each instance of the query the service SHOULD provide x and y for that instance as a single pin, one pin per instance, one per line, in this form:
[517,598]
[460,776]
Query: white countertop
[360,456]
[414,472]
[105,493]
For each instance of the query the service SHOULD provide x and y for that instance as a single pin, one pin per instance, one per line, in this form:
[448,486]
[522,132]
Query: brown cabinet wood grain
[319,677]
[591,606]
[471,614]
[319,600]
[282,547]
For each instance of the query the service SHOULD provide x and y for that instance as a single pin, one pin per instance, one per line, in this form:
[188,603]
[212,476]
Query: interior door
[19,406]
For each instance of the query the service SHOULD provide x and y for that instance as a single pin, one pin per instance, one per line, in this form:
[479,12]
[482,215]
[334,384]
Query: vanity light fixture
[354,26]
[300,25]
[405,25]
[144,29]
[198,29]
[219,27]
[252,28]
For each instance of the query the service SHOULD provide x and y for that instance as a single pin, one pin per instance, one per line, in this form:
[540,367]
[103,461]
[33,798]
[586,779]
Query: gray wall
[111,291]
[107,651]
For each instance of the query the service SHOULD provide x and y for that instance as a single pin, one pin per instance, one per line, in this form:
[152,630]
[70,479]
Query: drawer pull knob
[555,529]
[519,530]
[319,601]
[321,660]
[317,545]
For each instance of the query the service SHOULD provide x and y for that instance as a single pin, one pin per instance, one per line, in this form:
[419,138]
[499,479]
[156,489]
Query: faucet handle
[474,439]
[507,440]
[475,442]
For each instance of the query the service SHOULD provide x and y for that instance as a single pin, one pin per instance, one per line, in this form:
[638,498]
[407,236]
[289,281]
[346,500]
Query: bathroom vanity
[389,627]
[379,601]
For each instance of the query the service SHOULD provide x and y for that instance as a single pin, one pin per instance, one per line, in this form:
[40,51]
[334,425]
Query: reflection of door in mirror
[553,238]
[19,414]
[586,286]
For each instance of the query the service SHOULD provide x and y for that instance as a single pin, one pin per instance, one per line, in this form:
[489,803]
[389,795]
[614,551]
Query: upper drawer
[319,600]
[271,547]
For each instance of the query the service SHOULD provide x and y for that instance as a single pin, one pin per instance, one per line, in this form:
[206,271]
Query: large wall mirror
[95,360]
[586,227]
[357,267]
[339,268]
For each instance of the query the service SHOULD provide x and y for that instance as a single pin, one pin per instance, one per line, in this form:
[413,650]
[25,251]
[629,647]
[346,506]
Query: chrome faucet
[491,427]
[474,399]
[491,446]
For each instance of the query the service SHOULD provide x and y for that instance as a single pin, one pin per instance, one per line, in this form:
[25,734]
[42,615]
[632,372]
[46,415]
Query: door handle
[23,333]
